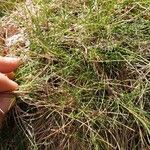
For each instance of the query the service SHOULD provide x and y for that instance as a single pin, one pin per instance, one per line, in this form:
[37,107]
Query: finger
[6,84]
[10,75]
[6,102]
[8,64]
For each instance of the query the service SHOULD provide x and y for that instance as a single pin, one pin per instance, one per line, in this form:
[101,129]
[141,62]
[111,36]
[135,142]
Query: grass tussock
[85,80]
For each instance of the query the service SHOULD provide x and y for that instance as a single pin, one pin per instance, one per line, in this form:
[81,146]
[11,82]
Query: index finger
[8,64]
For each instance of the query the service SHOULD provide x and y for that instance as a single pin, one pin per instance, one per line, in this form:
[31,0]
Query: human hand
[7,66]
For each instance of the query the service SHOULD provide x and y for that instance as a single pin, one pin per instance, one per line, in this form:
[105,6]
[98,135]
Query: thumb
[6,84]
[6,102]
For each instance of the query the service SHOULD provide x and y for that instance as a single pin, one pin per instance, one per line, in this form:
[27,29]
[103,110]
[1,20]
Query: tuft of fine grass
[85,81]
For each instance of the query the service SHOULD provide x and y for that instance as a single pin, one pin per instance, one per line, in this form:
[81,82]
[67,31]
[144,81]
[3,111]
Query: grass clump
[85,83]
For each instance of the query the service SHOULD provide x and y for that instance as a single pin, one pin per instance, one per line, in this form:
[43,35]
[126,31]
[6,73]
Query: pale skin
[7,85]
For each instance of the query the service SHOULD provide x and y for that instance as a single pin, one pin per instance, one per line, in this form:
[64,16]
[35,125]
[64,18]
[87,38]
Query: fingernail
[13,86]
[12,59]
[10,75]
